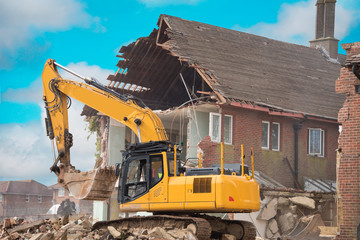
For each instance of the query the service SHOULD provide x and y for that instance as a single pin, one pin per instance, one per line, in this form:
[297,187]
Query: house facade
[286,148]
[24,198]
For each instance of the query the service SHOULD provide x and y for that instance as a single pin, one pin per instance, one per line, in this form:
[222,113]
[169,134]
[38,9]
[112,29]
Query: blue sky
[86,35]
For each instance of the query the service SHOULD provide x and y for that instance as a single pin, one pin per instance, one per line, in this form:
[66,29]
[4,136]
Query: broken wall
[348,169]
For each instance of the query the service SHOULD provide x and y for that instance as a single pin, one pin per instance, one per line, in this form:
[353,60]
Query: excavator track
[206,227]
[242,230]
[202,227]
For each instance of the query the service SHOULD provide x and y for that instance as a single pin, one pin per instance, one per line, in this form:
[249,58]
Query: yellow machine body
[201,193]
[147,179]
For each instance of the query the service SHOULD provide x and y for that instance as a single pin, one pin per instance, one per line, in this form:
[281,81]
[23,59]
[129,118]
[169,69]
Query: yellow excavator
[150,175]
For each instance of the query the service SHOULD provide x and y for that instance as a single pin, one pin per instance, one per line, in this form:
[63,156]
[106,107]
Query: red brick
[349,169]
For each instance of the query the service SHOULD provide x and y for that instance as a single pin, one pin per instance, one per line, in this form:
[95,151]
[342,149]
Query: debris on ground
[295,217]
[80,227]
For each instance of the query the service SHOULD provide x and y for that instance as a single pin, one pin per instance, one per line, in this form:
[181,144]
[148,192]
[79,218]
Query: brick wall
[349,143]
[15,205]
[247,130]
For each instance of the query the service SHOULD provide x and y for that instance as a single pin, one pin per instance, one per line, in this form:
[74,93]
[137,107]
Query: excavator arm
[96,184]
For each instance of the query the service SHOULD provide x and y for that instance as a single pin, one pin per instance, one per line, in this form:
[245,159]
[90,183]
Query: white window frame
[27,198]
[61,192]
[322,140]
[230,130]
[278,143]
[211,128]
[268,135]
[39,199]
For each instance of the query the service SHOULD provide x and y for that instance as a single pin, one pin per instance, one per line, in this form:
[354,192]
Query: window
[215,127]
[27,198]
[170,158]
[265,135]
[136,178]
[1,197]
[61,192]
[316,142]
[228,125]
[275,136]
[157,169]
[39,199]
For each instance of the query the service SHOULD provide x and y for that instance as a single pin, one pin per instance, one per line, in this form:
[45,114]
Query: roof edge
[284,112]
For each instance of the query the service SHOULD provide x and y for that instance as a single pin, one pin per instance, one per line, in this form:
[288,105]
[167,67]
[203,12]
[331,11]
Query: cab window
[136,178]
[170,159]
[156,169]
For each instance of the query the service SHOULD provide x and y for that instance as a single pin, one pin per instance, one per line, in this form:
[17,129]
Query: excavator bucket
[96,184]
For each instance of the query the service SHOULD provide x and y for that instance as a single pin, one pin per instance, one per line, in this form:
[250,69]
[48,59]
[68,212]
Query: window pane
[275,136]
[156,169]
[215,128]
[61,192]
[322,143]
[228,129]
[136,178]
[265,135]
[315,141]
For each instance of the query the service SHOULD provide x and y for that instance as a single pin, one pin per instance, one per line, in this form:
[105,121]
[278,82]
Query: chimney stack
[324,28]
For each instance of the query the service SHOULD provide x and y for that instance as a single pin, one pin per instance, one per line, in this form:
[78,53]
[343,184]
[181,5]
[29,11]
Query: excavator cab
[144,166]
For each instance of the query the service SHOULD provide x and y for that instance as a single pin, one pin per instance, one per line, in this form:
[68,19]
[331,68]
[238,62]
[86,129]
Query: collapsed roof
[224,65]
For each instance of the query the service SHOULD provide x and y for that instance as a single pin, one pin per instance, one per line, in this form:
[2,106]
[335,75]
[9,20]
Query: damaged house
[273,96]
[210,85]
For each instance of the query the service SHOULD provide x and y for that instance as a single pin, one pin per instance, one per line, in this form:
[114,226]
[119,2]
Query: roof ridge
[242,32]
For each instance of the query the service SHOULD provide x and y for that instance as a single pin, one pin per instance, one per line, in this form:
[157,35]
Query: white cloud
[23,20]
[157,3]
[34,92]
[20,20]
[24,95]
[25,150]
[86,70]
[296,23]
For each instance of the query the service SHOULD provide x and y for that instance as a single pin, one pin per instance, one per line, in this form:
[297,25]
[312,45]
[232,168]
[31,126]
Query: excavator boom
[96,184]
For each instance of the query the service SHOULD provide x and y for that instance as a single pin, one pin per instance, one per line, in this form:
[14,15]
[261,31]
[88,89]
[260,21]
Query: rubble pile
[48,229]
[80,227]
[140,233]
[288,218]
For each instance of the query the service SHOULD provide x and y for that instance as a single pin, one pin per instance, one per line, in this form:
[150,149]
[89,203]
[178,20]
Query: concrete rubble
[80,227]
[293,217]
[269,211]
[303,201]
[286,217]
